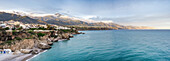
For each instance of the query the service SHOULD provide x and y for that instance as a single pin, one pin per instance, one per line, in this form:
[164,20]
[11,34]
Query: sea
[111,45]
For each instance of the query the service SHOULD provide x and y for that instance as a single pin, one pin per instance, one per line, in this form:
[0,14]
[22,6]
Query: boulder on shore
[35,51]
[81,33]
[16,52]
[56,39]
[50,43]
[26,51]
[44,46]
[71,36]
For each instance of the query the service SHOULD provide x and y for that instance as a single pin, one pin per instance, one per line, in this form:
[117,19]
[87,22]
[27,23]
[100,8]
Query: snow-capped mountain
[59,19]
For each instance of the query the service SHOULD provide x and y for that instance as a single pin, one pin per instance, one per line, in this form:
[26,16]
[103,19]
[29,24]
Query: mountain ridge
[59,19]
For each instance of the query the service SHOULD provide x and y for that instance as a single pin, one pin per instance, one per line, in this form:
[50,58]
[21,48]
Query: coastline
[42,45]
[34,55]
[21,56]
[11,57]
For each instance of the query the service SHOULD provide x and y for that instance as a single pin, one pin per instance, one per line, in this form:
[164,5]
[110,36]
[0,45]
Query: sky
[153,13]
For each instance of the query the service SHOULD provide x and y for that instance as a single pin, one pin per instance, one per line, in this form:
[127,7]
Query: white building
[3,25]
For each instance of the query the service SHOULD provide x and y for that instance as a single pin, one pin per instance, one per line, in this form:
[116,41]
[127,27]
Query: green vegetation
[18,38]
[7,28]
[42,28]
[41,34]
[14,32]
[19,28]
[1,28]
[53,34]
[14,28]
[65,30]
[28,38]
[91,27]
[8,42]
[33,28]
[31,32]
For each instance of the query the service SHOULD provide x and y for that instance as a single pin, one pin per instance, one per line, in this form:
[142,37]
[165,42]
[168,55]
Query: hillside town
[13,25]
[20,39]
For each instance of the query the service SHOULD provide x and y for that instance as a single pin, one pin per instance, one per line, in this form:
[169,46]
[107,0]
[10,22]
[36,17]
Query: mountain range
[62,20]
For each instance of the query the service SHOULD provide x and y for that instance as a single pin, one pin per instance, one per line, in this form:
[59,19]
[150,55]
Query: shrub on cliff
[41,28]
[33,28]
[14,32]
[31,32]
[18,38]
[7,28]
[7,42]
[28,38]
[1,28]
[41,34]
[65,30]
[19,28]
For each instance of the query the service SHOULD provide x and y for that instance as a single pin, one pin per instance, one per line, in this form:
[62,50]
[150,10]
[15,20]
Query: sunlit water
[112,45]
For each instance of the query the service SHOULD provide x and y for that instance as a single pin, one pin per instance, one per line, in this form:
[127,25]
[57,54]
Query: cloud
[126,12]
[88,16]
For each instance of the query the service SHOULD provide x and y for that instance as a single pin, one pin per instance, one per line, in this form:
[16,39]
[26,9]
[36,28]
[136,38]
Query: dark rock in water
[68,38]
[56,39]
[71,36]
[82,33]
[50,43]
[74,33]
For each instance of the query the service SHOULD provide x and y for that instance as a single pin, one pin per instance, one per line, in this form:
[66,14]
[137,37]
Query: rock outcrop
[26,51]
[31,42]
[44,46]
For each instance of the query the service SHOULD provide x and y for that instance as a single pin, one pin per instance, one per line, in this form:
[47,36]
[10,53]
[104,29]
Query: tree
[1,28]
[17,26]
[7,28]
[48,26]
[20,28]
[13,28]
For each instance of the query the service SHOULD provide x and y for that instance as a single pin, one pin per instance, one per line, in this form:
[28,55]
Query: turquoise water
[112,45]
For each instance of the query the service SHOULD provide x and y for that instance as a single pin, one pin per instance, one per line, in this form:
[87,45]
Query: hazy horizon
[152,13]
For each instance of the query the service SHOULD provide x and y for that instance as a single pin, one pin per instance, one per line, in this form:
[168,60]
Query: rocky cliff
[30,41]
[25,19]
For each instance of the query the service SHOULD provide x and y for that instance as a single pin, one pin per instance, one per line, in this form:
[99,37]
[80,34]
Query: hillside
[59,19]
[25,19]
[62,20]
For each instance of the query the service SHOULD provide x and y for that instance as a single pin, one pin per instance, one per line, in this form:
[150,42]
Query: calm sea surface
[112,45]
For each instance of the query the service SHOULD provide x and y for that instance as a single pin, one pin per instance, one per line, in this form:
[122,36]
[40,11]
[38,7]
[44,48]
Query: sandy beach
[11,57]
[18,57]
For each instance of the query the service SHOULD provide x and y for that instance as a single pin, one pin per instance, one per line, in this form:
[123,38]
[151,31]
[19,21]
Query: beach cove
[111,45]
[31,46]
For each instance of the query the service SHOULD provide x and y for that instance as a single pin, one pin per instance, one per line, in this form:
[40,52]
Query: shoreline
[35,55]
[20,56]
